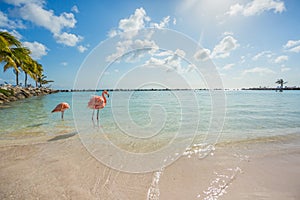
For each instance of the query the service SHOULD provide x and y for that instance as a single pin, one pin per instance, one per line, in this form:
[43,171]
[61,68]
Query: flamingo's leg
[97,114]
[62,115]
[93,114]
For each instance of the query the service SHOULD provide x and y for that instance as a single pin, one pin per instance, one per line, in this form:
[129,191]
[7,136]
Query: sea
[146,131]
[165,115]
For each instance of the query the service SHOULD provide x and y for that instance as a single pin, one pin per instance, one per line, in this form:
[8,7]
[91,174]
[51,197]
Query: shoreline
[10,93]
[59,167]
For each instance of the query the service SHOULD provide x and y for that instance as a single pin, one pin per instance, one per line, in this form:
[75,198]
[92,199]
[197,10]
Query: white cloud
[235,9]
[46,18]
[202,55]
[174,21]
[164,23]
[228,66]
[257,7]
[281,59]
[34,11]
[267,54]
[128,28]
[171,61]
[295,49]
[68,39]
[134,22]
[112,33]
[223,49]
[116,70]
[155,62]
[82,48]
[291,43]
[258,70]
[37,49]
[75,9]
[227,33]
[292,46]
[20,2]
[140,48]
[7,23]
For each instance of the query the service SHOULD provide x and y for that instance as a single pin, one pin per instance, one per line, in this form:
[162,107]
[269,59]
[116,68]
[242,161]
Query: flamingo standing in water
[97,103]
[61,108]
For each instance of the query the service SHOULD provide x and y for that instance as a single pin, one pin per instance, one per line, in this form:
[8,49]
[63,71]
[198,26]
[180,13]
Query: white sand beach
[61,168]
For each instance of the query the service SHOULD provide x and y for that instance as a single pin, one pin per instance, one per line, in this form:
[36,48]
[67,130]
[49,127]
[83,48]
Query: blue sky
[251,42]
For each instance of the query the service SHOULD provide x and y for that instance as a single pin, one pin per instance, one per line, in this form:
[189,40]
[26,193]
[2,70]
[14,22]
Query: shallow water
[150,116]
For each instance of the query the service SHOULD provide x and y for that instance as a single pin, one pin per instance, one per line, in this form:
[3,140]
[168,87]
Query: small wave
[153,191]
[201,150]
[218,186]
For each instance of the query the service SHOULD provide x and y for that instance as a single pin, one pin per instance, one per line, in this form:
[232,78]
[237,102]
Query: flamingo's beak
[107,95]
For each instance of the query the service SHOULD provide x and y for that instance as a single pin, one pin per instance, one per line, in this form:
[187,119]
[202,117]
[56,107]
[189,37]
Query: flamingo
[61,107]
[97,103]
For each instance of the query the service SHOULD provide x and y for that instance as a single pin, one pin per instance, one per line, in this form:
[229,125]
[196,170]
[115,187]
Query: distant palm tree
[281,82]
[42,80]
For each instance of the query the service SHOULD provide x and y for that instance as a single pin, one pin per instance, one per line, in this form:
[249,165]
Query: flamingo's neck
[104,97]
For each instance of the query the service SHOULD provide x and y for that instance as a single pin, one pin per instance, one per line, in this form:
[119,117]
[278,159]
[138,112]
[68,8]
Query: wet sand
[61,168]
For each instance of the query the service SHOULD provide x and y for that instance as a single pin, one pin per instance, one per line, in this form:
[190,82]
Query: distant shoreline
[167,89]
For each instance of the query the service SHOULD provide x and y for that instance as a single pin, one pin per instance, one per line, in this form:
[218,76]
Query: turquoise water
[148,114]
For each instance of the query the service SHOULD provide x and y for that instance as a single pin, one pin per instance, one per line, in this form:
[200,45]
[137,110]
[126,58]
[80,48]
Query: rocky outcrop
[9,93]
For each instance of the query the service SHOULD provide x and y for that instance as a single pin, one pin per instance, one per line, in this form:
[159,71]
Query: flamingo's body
[97,103]
[61,108]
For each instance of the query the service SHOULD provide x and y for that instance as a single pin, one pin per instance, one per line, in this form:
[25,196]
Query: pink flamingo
[97,103]
[61,108]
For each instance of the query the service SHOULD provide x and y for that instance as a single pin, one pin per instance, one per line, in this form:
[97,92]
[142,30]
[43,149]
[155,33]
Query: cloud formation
[267,54]
[128,29]
[292,46]
[34,11]
[281,59]
[258,70]
[202,55]
[163,24]
[82,48]
[68,39]
[223,49]
[7,23]
[256,7]
[37,49]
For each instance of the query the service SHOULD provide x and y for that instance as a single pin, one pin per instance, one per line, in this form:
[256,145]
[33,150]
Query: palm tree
[281,82]
[8,41]
[21,57]
[17,57]
[37,72]
[42,80]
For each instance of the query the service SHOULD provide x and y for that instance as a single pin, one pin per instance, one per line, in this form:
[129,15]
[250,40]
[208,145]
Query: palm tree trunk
[17,77]
[25,79]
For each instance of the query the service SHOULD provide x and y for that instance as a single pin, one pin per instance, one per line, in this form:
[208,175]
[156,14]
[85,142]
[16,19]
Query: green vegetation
[17,57]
